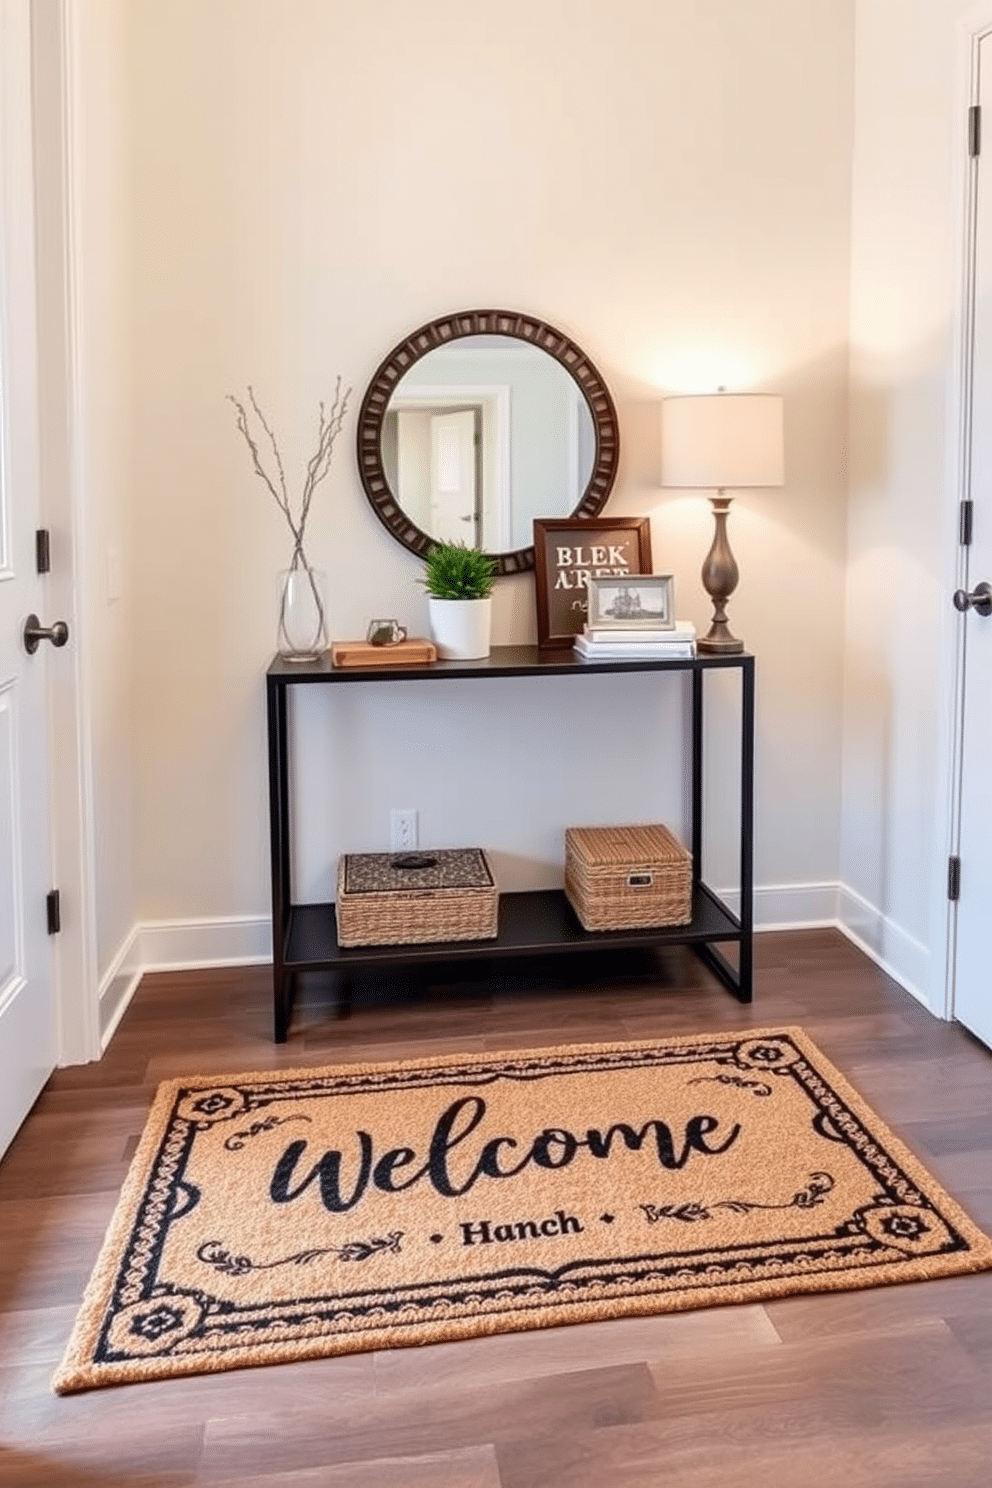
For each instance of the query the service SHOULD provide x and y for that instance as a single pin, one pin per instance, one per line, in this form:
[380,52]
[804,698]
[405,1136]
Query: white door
[455,445]
[27,1016]
[973,967]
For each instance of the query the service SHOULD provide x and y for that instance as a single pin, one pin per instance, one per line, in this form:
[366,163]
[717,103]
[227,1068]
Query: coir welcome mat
[326,1211]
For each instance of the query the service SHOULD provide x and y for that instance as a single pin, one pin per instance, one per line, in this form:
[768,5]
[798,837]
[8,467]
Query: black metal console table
[304,936]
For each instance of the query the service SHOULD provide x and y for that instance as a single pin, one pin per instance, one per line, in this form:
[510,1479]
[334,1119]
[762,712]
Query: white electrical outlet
[402,830]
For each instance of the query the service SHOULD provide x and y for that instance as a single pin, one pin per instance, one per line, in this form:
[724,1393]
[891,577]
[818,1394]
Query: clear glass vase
[302,627]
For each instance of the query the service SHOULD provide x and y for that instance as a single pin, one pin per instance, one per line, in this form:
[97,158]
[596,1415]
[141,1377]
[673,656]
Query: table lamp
[721,441]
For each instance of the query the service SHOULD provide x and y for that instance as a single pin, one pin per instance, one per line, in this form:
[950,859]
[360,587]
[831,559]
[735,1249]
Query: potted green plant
[459,582]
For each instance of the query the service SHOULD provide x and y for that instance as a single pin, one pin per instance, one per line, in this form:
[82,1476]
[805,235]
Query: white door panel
[27,1024]
[973,966]
[11,885]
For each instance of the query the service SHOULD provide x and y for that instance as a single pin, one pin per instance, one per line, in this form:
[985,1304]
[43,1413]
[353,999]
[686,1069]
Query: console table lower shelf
[536,923]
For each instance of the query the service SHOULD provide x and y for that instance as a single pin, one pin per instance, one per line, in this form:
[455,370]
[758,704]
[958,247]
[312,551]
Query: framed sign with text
[568,551]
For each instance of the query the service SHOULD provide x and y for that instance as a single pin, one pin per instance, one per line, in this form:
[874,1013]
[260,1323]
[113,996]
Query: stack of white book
[608,644]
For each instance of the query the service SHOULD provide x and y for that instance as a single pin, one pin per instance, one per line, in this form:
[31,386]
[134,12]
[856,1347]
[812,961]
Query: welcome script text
[342,1184]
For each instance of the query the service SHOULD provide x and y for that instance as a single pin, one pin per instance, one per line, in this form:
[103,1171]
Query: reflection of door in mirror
[456,447]
[432,451]
[407,443]
[538,440]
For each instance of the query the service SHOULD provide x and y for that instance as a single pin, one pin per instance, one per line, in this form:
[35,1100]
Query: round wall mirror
[478,423]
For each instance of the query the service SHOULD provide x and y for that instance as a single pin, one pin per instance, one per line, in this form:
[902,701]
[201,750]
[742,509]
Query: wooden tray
[363,654]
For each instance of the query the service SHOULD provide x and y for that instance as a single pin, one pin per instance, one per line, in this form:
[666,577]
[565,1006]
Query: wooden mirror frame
[442,332]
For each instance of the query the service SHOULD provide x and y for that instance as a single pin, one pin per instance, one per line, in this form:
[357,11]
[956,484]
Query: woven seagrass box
[626,878]
[416,897]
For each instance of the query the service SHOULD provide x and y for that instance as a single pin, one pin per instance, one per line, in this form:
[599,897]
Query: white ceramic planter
[460,628]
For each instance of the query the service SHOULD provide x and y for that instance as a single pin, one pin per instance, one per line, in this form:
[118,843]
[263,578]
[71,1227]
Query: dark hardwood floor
[890,1387]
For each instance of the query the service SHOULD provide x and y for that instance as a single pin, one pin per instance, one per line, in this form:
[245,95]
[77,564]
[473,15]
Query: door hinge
[975,129]
[954,878]
[43,550]
[54,908]
[964,525]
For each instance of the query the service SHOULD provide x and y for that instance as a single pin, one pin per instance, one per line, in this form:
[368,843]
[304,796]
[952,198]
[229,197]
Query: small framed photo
[639,602]
[571,551]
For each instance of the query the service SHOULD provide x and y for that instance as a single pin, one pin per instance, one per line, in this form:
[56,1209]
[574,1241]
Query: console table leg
[737,979]
[284,988]
[745,972]
[282,980]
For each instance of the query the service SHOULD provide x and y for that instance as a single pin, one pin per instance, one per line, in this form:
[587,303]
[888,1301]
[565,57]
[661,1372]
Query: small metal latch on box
[640,880]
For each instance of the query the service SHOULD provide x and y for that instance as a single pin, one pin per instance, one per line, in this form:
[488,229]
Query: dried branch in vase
[269,469]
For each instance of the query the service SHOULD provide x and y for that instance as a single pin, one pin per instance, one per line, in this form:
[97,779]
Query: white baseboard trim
[246,940]
[789,906]
[179,945]
[117,987]
[835,906]
[902,957]
[184,945]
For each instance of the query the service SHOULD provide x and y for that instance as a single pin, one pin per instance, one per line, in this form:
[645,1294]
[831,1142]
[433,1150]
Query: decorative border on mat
[133,1325]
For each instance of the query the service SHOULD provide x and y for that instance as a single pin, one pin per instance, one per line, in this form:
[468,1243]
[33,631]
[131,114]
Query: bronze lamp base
[720,575]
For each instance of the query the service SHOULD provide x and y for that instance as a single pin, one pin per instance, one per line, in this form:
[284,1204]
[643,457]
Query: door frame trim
[972,28]
[57,128]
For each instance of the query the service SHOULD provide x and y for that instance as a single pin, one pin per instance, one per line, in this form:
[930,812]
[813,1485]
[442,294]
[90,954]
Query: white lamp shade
[722,440]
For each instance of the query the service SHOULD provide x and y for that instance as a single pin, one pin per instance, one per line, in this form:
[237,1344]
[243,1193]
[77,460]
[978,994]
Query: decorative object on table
[722,441]
[624,878]
[416,897]
[563,431]
[567,553]
[301,608]
[301,632]
[385,633]
[459,582]
[677,644]
[282,1215]
[408,652]
[639,602]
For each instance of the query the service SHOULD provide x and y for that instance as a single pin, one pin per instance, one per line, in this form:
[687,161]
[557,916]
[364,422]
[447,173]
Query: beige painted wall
[907,244]
[304,183]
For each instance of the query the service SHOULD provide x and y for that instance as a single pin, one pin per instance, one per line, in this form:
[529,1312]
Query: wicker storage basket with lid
[417,897]
[627,878]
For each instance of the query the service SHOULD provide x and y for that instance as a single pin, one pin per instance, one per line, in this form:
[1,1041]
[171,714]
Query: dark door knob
[979,600]
[35,633]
